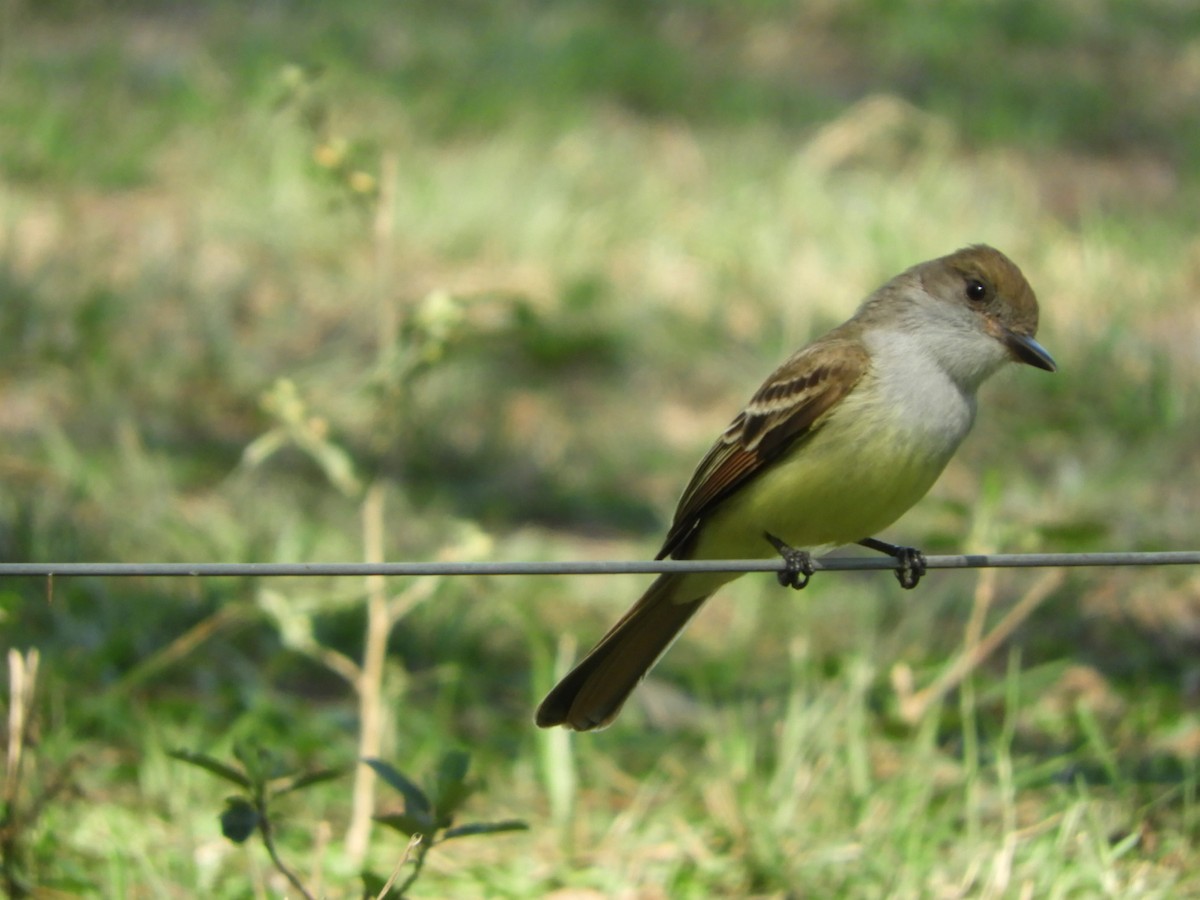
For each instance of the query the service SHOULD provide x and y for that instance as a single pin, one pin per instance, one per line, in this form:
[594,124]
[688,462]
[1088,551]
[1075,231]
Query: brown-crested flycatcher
[837,444]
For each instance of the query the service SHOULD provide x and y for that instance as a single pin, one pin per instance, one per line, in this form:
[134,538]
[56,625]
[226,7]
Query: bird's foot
[910,562]
[799,563]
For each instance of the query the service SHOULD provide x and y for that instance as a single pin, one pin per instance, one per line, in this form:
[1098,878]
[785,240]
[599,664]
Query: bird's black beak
[1025,349]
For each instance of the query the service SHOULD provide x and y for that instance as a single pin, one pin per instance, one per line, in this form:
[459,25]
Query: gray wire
[826,564]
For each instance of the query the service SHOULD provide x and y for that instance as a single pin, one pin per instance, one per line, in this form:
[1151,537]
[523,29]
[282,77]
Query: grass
[601,225]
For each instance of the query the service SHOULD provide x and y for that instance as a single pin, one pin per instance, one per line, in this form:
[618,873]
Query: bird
[839,441]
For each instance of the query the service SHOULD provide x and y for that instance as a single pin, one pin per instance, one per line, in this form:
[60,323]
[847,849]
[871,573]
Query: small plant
[428,818]
[261,779]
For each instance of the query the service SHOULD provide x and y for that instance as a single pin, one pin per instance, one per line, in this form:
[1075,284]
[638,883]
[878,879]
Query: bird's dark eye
[976,290]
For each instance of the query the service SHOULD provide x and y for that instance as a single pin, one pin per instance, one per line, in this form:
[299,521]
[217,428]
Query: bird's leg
[910,562]
[799,563]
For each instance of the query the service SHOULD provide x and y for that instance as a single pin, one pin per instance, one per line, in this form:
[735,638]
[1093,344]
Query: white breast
[916,394]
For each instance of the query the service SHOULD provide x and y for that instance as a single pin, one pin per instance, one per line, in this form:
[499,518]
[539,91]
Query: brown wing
[789,405]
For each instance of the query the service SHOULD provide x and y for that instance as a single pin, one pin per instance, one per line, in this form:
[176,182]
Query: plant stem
[369,684]
[269,841]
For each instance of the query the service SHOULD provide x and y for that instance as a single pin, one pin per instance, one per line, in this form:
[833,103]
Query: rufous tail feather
[592,693]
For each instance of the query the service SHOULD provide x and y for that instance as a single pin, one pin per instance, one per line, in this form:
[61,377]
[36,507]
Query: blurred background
[296,281]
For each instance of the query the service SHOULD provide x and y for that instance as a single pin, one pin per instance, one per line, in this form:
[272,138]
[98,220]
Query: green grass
[603,224]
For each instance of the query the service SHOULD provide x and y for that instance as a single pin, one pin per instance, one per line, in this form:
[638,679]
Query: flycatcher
[837,444]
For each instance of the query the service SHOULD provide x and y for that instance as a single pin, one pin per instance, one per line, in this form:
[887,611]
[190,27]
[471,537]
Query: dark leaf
[261,764]
[215,766]
[409,823]
[239,820]
[451,787]
[414,798]
[310,778]
[453,766]
[485,828]
[373,885]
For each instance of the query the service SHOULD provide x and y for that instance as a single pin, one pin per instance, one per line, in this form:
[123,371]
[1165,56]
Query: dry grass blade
[976,648]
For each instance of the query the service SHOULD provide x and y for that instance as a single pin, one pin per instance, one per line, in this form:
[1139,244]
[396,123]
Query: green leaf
[409,823]
[337,465]
[239,820]
[451,789]
[485,828]
[209,764]
[414,798]
[263,447]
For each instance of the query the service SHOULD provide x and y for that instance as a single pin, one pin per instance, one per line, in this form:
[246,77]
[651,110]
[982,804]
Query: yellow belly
[845,483]
[817,498]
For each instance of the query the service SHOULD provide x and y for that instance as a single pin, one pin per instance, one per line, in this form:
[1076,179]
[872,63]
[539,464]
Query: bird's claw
[910,566]
[910,562]
[799,565]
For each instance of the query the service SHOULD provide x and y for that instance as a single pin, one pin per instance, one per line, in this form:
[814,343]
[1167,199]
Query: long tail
[592,694]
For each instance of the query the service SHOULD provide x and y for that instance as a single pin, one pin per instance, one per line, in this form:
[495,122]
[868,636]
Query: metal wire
[606,567]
